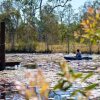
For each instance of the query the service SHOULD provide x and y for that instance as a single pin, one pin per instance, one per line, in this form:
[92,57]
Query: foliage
[50,25]
[69,77]
[91,25]
[53,22]
[36,85]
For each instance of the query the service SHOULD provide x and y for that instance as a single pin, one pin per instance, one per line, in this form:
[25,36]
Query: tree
[10,15]
[49,26]
[69,20]
[52,6]
[91,23]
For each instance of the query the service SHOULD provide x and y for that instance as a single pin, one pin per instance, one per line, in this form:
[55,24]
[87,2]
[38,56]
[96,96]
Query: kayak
[74,58]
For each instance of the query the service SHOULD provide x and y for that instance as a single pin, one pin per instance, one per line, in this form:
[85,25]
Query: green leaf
[71,71]
[90,87]
[82,40]
[87,76]
[58,86]
[78,91]
[74,93]
[83,93]
[61,74]
[77,75]
[63,80]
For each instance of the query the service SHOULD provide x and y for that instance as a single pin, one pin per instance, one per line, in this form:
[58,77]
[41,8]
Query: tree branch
[59,5]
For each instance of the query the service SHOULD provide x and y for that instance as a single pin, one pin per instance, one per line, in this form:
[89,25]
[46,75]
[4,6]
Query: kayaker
[78,55]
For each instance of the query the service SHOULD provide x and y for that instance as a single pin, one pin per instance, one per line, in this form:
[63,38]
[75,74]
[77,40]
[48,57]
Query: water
[50,68]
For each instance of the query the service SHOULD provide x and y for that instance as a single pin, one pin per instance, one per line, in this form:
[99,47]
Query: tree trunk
[2,46]
[74,47]
[98,48]
[90,47]
[68,44]
[47,44]
[12,41]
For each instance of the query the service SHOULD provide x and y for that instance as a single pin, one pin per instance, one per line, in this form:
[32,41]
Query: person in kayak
[78,55]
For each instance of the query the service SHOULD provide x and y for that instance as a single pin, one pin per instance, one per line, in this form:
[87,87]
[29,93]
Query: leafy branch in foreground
[69,77]
[35,88]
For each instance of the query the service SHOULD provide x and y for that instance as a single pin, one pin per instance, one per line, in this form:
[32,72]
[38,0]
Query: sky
[75,3]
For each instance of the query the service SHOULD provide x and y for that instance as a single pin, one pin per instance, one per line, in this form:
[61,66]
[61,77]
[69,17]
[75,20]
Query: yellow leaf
[83,22]
[87,30]
[97,16]
[90,10]
[91,25]
[63,66]
[90,18]
[94,24]
[28,93]
[69,77]
[87,21]
[44,87]
[31,83]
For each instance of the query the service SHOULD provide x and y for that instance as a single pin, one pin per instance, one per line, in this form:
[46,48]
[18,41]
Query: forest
[51,26]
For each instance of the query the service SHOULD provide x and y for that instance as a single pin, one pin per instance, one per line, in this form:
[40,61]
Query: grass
[56,48]
[63,48]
